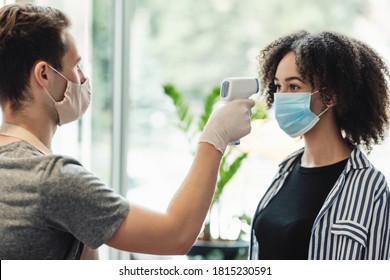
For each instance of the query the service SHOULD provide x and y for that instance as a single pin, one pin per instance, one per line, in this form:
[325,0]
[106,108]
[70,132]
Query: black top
[283,227]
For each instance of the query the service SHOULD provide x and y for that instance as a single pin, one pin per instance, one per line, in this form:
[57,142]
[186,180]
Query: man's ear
[40,73]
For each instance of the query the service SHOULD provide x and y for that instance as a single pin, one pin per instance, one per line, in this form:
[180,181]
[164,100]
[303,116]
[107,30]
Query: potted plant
[231,160]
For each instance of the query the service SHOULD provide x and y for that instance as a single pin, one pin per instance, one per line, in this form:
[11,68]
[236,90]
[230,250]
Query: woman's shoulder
[362,173]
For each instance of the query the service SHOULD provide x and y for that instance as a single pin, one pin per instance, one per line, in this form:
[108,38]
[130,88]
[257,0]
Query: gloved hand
[228,123]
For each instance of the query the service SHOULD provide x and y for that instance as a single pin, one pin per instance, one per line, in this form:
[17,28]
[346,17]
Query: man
[50,206]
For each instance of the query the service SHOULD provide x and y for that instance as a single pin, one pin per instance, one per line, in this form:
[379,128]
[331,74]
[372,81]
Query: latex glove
[228,123]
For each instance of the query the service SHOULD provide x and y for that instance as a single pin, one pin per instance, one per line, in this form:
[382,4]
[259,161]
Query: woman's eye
[277,88]
[294,87]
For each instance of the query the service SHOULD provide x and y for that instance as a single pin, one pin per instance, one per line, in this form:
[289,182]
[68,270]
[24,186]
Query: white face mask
[77,98]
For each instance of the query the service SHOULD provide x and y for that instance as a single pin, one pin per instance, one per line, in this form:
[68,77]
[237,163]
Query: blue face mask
[292,111]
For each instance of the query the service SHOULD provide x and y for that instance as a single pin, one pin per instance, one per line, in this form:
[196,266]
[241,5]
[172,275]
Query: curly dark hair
[349,72]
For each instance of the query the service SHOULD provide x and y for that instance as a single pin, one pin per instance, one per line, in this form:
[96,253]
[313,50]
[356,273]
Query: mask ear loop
[58,72]
[320,114]
[314,92]
[327,108]
[317,91]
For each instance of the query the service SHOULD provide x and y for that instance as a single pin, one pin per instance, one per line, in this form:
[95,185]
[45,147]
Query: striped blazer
[354,222]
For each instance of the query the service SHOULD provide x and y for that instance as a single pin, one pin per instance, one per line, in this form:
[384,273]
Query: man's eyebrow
[289,79]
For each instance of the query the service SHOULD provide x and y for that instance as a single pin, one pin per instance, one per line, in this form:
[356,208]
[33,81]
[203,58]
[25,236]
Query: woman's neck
[324,147]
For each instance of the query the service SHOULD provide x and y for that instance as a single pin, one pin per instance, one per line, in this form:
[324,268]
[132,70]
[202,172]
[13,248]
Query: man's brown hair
[28,34]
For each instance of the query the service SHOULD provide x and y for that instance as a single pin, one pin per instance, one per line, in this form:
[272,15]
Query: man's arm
[174,232]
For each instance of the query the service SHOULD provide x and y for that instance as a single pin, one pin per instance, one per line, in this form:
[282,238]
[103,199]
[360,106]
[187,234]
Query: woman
[327,200]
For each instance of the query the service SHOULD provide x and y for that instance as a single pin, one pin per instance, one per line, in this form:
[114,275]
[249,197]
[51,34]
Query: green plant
[232,158]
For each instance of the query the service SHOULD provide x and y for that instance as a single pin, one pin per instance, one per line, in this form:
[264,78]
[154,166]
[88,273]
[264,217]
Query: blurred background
[129,136]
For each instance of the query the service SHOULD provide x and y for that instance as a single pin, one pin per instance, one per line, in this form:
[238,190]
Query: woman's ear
[332,102]
[40,73]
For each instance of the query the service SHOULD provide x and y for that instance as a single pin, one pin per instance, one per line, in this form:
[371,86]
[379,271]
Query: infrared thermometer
[238,88]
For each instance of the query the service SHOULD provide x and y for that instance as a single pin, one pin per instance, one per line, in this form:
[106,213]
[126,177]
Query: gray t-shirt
[51,205]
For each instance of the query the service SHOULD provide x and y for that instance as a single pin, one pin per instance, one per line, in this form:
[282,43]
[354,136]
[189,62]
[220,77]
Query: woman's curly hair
[348,71]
